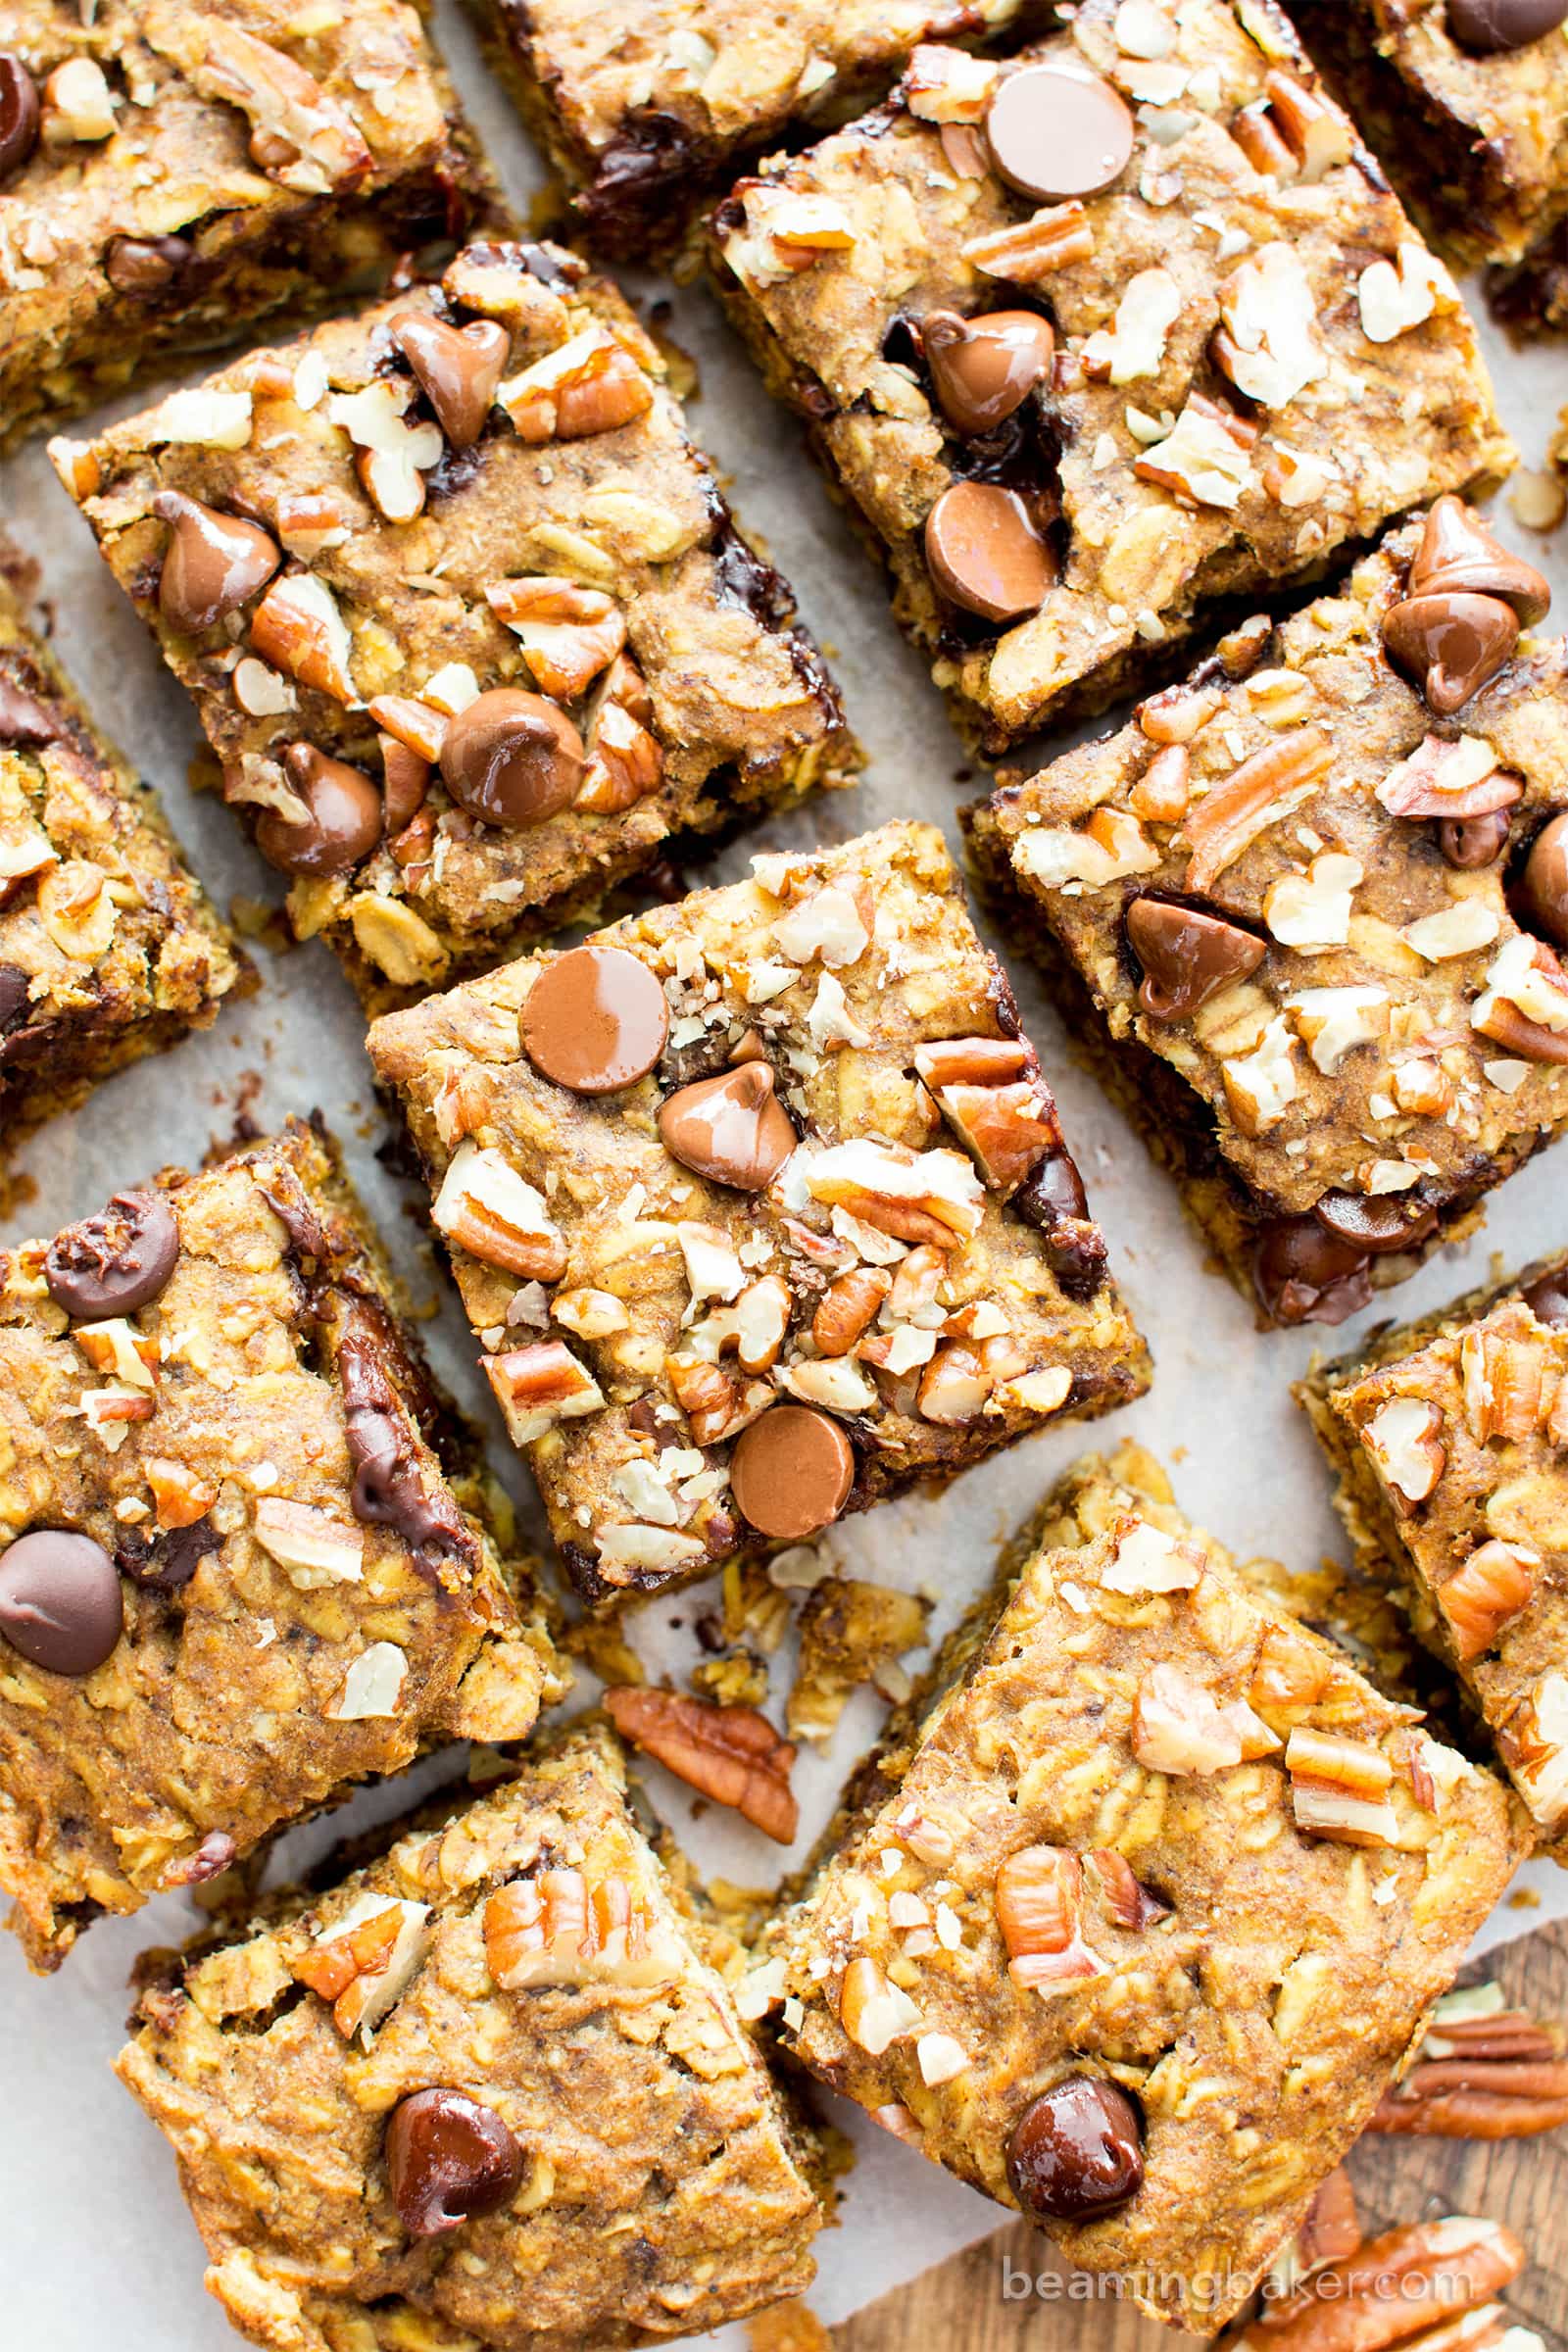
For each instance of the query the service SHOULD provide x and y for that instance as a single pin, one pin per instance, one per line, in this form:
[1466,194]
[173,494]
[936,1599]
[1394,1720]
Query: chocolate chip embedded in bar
[1078,338]
[1145,1856]
[1311,904]
[463,611]
[240,1566]
[760,1209]
[171,175]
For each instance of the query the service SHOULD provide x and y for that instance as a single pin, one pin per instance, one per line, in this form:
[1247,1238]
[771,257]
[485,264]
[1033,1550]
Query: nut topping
[342,822]
[484,1206]
[1252,797]
[511,759]
[594,1020]
[792,1472]
[565,1928]
[875,2013]
[984,368]
[449,2158]
[1339,1789]
[1483,2072]
[1187,956]
[847,1308]
[1403,1437]
[732,1754]
[299,136]
[458,368]
[730,1129]
[985,553]
[1039,1900]
[568,633]
[297,627]
[1076,2152]
[214,562]
[1053,132]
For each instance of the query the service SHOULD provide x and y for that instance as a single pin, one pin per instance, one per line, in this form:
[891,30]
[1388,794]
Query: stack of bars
[757,1199]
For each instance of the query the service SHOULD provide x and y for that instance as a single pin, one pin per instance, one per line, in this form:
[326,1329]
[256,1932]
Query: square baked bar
[109,948]
[1308,905]
[644,106]
[170,174]
[464,613]
[1466,103]
[760,1209]
[491,2091]
[240,1560]
[1450,1441]
[1136,1911]
[1096,336]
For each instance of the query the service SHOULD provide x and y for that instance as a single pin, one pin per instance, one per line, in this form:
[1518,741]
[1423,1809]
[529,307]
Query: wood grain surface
[959,2307]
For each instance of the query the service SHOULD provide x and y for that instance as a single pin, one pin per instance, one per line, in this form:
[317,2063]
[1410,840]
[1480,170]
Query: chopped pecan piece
[589,385]
[1505,1384]
[487,1208]
[300,136]
[298,628]
[1028,251]
[1258,794]
[626,760]
[1406,1449]
[364,1964]
[568,633]
[996,1102]
[873,2012]
[847,1308]
[1038,1901]
[539,1384]
[1339,1789]
[565,1928]
[1485,1593]
[732,1754]
[1394,2288]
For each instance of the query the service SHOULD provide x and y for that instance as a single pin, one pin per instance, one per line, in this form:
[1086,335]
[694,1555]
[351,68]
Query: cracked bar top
[1218,278]
[169,173]
[499,2091]
[464,613]
[109,949]
[1319,891]
[1140,1907]
[235,1572]
[800,1232]
[1451,1444]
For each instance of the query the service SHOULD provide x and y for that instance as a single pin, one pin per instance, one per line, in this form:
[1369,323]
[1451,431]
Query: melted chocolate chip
[1486,28]
[449,2160]
[1389,1222]
[1453,643]
[116,1262]
[594,1020]
[1548,1298]
[286,1196]
[984,368]
[1305,1274]
[1468,842]
[14,988]
[457,370]
[1458,555]
[389,1488]
[145,264]
[1052,1199]
[23,719]
[1187,956]
[61,1605]
[1076,2151]
[345,820]
[166,1562]
[511,759]
[731,1128]
[19,113]
[1542,887]
[985,553]
[214,563]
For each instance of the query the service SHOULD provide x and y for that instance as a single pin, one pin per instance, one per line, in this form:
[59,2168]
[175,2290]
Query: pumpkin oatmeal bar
[1139,1908]
[1308,905]
[760,1209]
[109,949]
[1079,338]
[491,2090]
[241,1564]
[464,613]
[171,175]
[1450,1441]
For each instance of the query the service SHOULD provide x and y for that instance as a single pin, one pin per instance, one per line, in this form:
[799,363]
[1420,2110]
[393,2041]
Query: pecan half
[564,1926]
[732,1754]
[1253,797]
[1029,250]
[1394,2288]
[1497,2075]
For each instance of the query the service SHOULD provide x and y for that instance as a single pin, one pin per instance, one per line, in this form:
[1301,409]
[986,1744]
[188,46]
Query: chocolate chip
[1305,1274]
[1376,1226]
[449,2160]
[1452,641]
[594,1020]
[1187,956]
[1470,842]
[145,264]
[1548,1298]
[19,113]
[390,1488]
[457,370]
[511,759]
[208,1860]
[1076,2151]
[1054,133]
[167,1562]
[15,995]
[985,553]
[731,1128]
[1458,555]
[983,368]
[345,820]
[790,1472]
[214,562]
[114,1262]
[60,1600]
[23,719]
[1487,26]
[1542,888]
[1052,1199]
[1054,1191]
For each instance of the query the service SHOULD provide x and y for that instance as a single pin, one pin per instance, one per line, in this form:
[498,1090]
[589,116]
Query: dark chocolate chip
[984,368]
[511,759]
[390,1489]
[458,368]
[1548,1298]
[986,554]
[1458,554]
[19,113]
[1305,1274]
[60,1600]
[1388,1223]
[15,990]
[145,264]
[449,2160]
[116,1262]
[1488,26]
[1076,2151]
[1055,1191]
[214,562]
[163,1564]
[1052,1199]
[23,719]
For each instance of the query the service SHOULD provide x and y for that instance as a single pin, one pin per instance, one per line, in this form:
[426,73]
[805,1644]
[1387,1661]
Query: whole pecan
[732,1754]
[1498,2077]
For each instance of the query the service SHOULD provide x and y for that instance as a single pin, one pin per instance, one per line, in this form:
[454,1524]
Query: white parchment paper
[95,2245]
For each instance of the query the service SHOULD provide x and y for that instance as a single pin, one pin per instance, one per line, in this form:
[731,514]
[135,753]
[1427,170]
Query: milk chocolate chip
[449,2160]
[1454,642]
[145,264]
[1458,555]
[984,368]
[114,1262]
[1487,26]
[985,552]
[594,1020]
[60,1600]
[1305,1274]
[458,368]
[790,1472]
[731,1128]
[19,113]
[344,824]
[1547,1298]
[1376,1225]
[1054,133]
[1468,842]
[215,562]
[1544,884]
[1076,2151]
[1187,956]
[511,759]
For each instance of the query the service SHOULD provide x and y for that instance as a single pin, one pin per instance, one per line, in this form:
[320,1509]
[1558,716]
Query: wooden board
[959,2307]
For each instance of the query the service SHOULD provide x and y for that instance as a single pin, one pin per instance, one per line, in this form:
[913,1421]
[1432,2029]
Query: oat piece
[464,615]
[1452,1448]
[242,1564]
[1068,412]
[170,176]
[819,1239]
[639,122]
[109,949]
[1133,1916]
[1309,906]
[617,2165]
